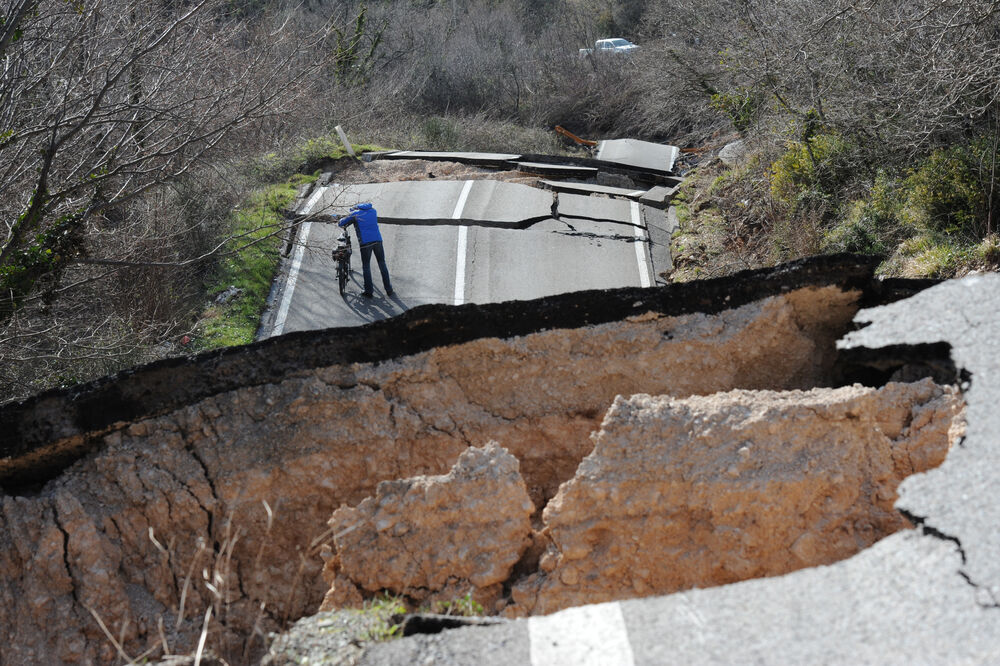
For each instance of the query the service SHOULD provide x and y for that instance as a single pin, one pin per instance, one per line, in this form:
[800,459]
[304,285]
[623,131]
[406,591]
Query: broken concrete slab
[40,435]
[565,170]
[660,196]
[959,499]
[640,154]
[479,159]
[590,188]
[598,208]
[814,616]
[210,449]
[660,227]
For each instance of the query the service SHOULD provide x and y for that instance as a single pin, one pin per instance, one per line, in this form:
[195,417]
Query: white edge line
[312,200]
[293,275]
[463,238]
[640,246]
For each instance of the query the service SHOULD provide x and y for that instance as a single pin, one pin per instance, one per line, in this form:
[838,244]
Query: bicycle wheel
[342,275]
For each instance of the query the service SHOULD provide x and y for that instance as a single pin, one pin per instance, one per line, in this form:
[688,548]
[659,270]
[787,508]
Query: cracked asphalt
[927,595]
[472,241]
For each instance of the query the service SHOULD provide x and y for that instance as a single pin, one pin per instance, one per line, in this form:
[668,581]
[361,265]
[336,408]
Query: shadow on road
[378,307]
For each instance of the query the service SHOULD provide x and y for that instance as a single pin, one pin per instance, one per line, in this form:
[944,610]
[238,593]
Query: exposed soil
[141,505]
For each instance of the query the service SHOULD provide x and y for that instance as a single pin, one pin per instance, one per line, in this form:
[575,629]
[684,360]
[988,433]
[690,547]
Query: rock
[734,153]
[615,180]
[231,292]
[429,535]
[703,491]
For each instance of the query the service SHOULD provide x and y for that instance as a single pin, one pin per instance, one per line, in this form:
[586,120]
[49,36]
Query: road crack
[933,532]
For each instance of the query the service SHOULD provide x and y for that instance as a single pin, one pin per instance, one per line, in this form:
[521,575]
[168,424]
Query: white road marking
[312,200]
[293,275]
[463,239]
[640,246]
[462,198]
[582,636]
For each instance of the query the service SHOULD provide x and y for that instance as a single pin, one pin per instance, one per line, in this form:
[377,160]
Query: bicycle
[342,256]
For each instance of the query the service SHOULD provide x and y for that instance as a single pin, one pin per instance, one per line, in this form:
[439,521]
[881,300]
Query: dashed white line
[462,198]
[640,245]
[463,238]
[583,636]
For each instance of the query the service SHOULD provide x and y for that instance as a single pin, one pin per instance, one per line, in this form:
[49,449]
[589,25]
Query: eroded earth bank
[532,455]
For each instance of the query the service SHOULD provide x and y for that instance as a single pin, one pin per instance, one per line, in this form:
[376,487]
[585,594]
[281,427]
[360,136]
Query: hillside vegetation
[145,147]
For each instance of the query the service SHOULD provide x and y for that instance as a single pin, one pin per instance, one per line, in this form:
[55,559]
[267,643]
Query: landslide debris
[202,486]
[434,537]
[709,490]
[677,493]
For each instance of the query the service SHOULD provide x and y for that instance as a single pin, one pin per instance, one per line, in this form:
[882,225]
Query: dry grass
[209,606]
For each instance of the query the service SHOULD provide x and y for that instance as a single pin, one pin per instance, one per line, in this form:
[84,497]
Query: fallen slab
[505,161]
[654,157]
[564,170]
[660,196]
[590,188]
[479,159]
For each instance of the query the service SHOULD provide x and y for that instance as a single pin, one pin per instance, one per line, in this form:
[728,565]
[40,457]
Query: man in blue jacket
[365,221]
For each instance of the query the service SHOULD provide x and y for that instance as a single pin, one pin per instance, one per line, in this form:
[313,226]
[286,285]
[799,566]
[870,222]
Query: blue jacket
[366,219]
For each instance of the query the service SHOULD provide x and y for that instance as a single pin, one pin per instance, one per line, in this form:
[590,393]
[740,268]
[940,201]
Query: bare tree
[102,101]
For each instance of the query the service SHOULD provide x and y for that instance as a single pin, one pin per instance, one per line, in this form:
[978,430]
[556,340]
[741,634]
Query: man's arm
[347,219]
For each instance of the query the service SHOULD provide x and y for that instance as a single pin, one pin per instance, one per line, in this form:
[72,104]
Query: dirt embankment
[677,493]
[217,508]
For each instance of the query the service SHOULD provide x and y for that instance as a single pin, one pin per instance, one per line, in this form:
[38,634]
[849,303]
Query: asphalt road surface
[464,242]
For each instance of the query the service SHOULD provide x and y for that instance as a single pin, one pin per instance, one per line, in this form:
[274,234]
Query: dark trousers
[366,265]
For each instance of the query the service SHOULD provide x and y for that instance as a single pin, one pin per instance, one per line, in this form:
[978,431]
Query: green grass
[463,607]
[249,262]
[257,227]
[379,614]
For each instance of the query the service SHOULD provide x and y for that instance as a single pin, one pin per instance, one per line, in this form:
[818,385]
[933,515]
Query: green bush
[741,105]
[303,155]
[949,193]
[872,225]
[812,171]
[933,257]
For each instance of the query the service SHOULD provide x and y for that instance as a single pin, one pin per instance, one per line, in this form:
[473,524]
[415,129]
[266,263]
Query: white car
[613,45]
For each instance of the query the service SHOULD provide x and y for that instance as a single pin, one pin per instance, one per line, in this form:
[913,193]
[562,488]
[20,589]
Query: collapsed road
[479,241]
[925,595]
[195,493]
